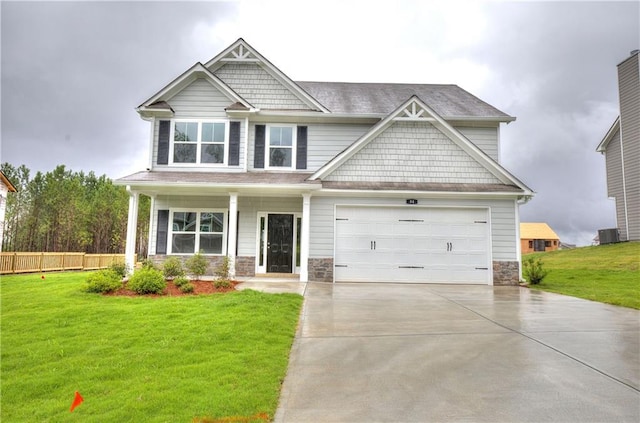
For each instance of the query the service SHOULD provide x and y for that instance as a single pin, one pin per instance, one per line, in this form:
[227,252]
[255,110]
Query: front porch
[264,237]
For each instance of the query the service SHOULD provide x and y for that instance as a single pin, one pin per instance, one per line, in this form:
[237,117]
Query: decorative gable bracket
[240,54]
[414,112]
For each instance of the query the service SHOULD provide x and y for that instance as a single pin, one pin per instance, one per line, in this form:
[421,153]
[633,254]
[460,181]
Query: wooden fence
[45,262]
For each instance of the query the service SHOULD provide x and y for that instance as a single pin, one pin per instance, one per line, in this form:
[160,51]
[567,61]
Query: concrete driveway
[439,353]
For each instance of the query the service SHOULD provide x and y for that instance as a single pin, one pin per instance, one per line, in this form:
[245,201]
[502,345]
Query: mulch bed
[199,288]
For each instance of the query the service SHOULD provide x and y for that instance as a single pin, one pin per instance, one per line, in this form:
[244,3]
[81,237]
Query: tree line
[66,211]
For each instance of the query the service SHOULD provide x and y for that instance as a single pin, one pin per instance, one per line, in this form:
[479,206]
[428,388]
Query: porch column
[304,237]
[232,232]
[132,224]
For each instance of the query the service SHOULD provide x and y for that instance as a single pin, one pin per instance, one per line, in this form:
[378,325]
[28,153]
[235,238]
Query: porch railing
[45,262]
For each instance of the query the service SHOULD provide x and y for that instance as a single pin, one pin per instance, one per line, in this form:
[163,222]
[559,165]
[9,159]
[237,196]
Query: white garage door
[411,244]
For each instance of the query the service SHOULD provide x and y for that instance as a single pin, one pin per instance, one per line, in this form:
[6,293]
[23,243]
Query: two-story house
[327,181]
[621,148]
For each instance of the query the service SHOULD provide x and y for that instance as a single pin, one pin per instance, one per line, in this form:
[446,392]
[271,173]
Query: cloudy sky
[72,74]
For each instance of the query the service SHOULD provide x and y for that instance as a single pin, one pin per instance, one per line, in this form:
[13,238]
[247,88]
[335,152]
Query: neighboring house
[5,187]
[327,181]
[536,237]
[621,148]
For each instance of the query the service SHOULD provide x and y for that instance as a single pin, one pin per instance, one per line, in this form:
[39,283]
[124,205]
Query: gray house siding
[613,160]
[258,87]
[629,86]
[323,142]
[412,152]
[199,100]
[485,138]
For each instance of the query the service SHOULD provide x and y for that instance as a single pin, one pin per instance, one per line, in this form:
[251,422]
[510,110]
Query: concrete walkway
[441,353]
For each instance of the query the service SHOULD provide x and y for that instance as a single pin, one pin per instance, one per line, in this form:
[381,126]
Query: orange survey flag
[76,401]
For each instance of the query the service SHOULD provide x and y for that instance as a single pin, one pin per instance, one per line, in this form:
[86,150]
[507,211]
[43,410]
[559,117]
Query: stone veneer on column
[506,273]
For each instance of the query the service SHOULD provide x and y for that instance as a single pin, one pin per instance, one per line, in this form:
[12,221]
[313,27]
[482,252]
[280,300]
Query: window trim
[267,146]
[199,142]
[197,232]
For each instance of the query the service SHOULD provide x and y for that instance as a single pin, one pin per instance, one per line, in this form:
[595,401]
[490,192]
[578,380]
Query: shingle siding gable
[258,87]
[412,152]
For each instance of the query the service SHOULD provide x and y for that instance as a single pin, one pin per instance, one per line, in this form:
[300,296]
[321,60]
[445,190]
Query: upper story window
[199,142]
[281,147]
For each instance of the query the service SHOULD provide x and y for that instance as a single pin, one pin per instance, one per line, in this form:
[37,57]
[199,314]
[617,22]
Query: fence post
[41,261]
[13,262]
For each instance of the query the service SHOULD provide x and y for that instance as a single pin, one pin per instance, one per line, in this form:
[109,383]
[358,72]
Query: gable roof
[241,52]
[536,231]
[414,109]
[602,147]
[196,71]
[449,101]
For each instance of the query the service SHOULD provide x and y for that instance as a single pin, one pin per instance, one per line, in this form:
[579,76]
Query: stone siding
[245,266]
[321,269]
[506,273]
[214,261]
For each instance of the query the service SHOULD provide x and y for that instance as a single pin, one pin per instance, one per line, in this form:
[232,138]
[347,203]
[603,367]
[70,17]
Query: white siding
[503,221]
[412,152]
[484,138]
[258,87]
[3,206]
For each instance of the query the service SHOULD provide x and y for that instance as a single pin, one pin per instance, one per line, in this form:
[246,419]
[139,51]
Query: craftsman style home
[327,181]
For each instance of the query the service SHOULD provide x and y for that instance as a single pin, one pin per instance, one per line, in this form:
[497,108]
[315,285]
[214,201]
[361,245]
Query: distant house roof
[449,101]
[7,182]
[536,231]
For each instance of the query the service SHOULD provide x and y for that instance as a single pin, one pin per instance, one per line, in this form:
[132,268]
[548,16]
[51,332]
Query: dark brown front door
[280,243]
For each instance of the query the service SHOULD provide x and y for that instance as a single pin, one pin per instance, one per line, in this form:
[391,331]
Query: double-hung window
[194,231]
[281,146]
[199,142]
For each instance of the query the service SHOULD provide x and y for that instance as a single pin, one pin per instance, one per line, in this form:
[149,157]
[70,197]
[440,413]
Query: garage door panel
[387,244]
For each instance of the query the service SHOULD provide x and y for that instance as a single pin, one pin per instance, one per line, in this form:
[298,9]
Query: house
[535,237]
[5,187]
[621,148]
[327,181]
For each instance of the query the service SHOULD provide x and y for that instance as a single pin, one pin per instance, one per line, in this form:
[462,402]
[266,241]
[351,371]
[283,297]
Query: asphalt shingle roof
[449,101]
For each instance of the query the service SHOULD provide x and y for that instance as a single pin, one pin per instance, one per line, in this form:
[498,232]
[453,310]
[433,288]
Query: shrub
[222,283]
[197,265]
[148,264]
[120,268]
[172,268]
[103,281]
[180,281]
[147,281]
[222,269]
[533,270]
[186,288]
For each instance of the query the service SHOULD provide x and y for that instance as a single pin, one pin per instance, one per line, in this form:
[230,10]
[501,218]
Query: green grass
[606,273]
[168,359]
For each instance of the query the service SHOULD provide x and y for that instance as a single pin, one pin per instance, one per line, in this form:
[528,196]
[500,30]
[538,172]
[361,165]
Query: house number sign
[412,201]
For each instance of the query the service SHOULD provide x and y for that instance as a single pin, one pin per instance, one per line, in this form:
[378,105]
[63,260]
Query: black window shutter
[301,148]
[234,144]
[162,232]
[163,141]
[258,151]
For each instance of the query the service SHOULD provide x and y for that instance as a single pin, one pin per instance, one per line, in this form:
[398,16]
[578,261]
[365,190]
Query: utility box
[608,236]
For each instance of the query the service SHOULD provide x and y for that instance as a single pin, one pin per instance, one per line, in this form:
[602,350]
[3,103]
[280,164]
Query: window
[530,244]
[281,142]
[199,142]
[193,231]
[547,244]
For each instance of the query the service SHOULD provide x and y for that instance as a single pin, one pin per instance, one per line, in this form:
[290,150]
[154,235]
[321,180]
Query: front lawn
[606,273]
[169,359]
